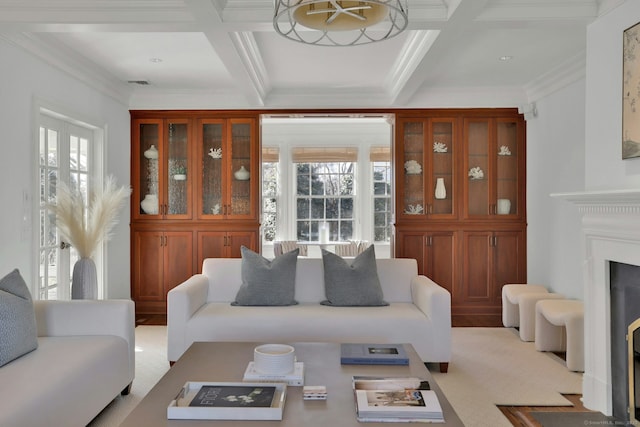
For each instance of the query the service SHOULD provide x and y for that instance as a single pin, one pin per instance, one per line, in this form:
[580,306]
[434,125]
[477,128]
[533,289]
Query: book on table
[395,399]
[228,401]
[373,354]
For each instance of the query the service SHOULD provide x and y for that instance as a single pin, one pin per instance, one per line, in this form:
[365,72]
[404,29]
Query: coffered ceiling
[226,53]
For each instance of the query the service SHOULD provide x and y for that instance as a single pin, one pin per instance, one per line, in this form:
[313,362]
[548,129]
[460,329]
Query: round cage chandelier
[340,22]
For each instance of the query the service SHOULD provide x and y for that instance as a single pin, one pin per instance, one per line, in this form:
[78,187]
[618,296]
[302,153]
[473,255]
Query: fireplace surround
[610,233]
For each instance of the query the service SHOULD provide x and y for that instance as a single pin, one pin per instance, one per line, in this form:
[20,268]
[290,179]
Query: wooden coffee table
[227,361]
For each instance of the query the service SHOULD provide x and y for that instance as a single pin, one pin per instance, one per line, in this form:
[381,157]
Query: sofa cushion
[18,332]
[267,282]
[67,381]
[355,284]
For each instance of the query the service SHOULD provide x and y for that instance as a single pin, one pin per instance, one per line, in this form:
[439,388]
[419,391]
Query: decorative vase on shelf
[504,206]
[441,191]
[150,204]
[84,282]
[241,174]
[151,153]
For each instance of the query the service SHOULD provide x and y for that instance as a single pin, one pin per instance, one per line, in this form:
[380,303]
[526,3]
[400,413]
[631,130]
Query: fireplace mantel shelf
[608,202]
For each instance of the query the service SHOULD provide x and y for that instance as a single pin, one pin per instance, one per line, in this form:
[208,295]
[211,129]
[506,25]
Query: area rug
[491,366]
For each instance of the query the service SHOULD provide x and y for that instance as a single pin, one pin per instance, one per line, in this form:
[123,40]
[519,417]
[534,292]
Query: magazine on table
[396,399]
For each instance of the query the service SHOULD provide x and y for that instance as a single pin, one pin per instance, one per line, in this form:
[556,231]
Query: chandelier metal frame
[394,23]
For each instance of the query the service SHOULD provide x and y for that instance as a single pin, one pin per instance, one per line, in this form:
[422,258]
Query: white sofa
[419,313]
[85,358]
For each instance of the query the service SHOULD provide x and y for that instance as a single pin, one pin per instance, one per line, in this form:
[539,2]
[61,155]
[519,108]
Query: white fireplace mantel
[611,232]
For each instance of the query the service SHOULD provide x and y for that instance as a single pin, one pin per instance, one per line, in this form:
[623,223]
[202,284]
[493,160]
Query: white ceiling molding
[73,64]
[249,53]
[569,72]
[450,46]
[417,46]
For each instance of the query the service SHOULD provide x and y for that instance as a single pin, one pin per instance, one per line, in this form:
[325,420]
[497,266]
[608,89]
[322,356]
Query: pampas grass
[87,232]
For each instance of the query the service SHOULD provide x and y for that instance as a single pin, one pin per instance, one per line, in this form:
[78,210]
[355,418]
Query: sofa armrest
[435,302]
[88,317]
[182,302]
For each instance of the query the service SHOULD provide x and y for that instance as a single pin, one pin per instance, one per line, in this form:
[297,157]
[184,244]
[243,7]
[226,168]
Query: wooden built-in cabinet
[195,178]
[471,237]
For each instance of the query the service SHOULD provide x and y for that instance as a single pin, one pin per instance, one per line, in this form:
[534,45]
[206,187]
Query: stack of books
[403,399]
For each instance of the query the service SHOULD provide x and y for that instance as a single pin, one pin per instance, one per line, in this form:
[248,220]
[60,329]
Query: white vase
[151,153]
[441,191]
[241,174]
[504,206]
[84,282]
[150,204]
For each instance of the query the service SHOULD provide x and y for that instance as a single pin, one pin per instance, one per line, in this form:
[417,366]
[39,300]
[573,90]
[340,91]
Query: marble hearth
[611,233]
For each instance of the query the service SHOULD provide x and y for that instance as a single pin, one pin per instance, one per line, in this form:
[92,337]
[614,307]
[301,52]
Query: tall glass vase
[84,283]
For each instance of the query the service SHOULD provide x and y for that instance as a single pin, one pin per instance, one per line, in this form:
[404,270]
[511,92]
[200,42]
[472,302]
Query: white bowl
[274,359]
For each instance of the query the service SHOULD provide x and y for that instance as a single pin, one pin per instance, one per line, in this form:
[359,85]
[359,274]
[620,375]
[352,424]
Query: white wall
[605,168]
[555,164]
[25,81]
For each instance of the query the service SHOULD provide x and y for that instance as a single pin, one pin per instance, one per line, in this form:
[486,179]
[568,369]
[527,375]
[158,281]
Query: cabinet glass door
[442,170]
[178,195]
[478,189]
[211,155]
[413,202]
[507,168]
[149,146]
[241,133]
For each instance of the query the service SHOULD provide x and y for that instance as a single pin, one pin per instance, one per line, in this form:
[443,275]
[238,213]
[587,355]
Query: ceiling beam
[237,51]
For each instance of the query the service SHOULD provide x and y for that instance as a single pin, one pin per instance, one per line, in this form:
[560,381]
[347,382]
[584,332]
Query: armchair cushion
[18,332]
[352,285]
[266,282]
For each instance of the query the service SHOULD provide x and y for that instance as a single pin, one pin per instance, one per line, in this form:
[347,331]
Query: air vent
[139,82]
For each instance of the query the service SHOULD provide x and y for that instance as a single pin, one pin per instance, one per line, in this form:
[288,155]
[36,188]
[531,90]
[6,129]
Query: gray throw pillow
[266,282]
[18,332]
[352,285]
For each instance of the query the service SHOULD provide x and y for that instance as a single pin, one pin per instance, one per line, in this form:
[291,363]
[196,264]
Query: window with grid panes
[325,192]
[382,208]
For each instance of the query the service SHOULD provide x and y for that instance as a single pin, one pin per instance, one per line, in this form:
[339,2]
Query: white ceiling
[226,53]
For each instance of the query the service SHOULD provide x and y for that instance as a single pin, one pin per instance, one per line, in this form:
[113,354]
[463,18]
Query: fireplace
[625,310]
[611,234]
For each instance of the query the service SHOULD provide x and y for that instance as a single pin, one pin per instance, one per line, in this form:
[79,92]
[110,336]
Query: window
[325,192]
[380,158]
[381,201]
[270,191]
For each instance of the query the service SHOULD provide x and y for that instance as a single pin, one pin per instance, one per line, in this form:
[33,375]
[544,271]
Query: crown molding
[569,72]
[56,55]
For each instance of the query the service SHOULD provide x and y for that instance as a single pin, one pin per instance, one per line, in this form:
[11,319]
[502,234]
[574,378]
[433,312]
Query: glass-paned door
[178,195]
[507,168]
[212,155]
[477,135]
[65,155]
[241,151]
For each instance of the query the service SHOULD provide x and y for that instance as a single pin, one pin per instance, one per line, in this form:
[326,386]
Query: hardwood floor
[556,416]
